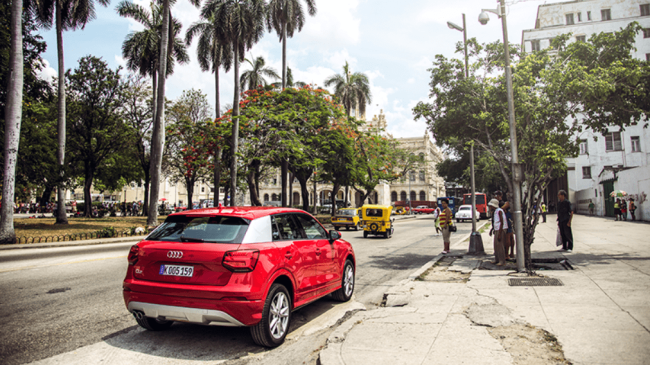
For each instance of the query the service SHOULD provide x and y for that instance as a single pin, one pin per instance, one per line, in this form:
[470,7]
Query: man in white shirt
[499,228]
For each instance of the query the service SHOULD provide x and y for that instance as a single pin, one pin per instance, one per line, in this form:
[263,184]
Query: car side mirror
[334,235]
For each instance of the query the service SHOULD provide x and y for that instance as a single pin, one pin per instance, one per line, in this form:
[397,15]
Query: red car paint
[312,267]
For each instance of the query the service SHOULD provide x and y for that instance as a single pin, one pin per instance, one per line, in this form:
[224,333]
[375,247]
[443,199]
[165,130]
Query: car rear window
[464,208]
[374,212]
[346,212]
[217,229]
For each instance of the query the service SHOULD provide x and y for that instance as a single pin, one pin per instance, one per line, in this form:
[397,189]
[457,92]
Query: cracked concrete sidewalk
[601,315]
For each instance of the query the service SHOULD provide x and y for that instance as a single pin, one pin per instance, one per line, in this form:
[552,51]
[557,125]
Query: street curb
[18,246]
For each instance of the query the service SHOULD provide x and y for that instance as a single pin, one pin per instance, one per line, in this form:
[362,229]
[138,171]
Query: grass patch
[39,227]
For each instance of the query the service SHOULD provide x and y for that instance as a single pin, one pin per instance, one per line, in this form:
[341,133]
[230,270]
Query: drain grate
[534,282]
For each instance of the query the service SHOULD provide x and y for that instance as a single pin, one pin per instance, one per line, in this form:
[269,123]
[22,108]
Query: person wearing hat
[499,228]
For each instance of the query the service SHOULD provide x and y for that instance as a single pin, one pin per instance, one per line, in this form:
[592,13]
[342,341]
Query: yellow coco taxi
[348,218]
[376,220]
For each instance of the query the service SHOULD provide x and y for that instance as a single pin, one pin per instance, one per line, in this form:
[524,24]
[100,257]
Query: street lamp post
[483,18]
[475,240]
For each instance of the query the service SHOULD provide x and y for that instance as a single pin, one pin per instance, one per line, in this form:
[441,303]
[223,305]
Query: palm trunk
[284,168]
[62,217]
[290,189]
[145,206]
[13,119]
[235,127]
[284,56]
[217,104]
[154,85]
[218,151]
[158,137]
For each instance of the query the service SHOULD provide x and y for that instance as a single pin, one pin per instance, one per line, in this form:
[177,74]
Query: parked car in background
[423,209]
[236,266]
[465,214]
[348,218]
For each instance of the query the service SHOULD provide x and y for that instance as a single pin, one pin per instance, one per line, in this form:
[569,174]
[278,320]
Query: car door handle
[288,255]
[318,252]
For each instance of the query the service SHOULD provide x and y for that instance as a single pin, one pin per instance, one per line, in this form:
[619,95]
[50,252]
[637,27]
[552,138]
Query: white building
[619,159]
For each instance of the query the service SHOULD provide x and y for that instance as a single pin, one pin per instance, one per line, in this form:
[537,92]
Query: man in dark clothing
[564,217]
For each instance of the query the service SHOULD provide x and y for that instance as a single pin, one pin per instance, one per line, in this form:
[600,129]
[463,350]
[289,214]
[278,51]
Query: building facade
[617,160]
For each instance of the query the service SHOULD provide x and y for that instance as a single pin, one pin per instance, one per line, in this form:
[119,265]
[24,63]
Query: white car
[465,213]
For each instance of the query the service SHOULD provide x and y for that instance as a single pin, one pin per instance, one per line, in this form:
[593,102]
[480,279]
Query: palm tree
[212,54]
[141,49]
[285,16]
[290,82]
[68,15]
[158,134]
[13,119]
[256,75]
[352,89]
[242,25]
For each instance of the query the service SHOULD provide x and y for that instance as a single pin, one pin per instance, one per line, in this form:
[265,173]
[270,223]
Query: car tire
[347,228]
[365,234]
[336,228]
[347,283]
[389,233]
[356,227]
[277,311]
[153,324]
[457,220]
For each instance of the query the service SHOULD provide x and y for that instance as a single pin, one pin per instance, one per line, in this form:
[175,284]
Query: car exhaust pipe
[138,314]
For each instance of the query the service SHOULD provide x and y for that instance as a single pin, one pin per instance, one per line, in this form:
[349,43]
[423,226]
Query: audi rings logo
[175,254]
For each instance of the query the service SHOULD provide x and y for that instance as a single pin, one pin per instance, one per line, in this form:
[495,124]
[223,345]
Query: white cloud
[120,60]
[411,80]
[337,60]
[47,73]
[334,25]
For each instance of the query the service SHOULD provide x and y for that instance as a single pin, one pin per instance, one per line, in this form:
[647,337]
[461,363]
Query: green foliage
[352,89]
[257,75]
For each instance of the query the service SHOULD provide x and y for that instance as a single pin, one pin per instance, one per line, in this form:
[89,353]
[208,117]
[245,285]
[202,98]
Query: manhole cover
[534,282]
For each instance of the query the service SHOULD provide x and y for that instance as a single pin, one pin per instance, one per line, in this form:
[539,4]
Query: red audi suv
[239,266]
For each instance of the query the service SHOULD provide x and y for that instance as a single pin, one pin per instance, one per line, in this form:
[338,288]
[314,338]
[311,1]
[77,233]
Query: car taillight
[133,255]
[241,260]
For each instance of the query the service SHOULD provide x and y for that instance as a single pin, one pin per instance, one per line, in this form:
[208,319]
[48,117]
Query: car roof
[242,212]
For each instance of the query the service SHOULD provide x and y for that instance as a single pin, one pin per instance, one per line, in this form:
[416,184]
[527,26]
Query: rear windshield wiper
[191,239]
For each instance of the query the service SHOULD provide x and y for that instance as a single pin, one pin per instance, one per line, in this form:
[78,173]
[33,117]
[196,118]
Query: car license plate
[176,270]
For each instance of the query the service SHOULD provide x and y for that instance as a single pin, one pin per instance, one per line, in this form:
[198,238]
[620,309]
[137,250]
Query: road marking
[59,264]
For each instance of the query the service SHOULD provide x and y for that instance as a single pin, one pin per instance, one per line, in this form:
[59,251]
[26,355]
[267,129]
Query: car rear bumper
[230,312]
[351,224]
[185,314]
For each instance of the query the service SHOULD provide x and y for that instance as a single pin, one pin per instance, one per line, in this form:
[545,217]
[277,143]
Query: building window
[202,189]
[412,176]
[393,196]
[569,19]
[646,33]
[423,195]
[274,197]
[266,197]
[579,16]
[613,141]
[583,147]
[586,172]
[645,9]
[581,38]
[275,181]
[402,195]
[414,196]
[534,45]
[422,176]
[636,144]
[605,14]
[647,57]
[588,15]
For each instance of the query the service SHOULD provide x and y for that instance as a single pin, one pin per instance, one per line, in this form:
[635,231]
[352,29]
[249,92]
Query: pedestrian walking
[623,209]
[436,218]
[617,209]
[564,217]
[499,229]
[544,212]
[591,207]
[509,245]
[445,222]
[632,208]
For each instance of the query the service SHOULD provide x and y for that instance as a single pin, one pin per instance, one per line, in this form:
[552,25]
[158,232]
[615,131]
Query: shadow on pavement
[185,341]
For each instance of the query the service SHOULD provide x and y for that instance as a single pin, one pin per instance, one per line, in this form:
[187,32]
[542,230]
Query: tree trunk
[290,189]
[284,168]
[145,206]
[226,191]
[305,194]
[217,175]
[284,56]
[217,104]
[189,185]
[333,198]
[61,217]
[13,119]
[252,185]
[47,194]
[158,137]
[88,183]
[154,85]
[235,127]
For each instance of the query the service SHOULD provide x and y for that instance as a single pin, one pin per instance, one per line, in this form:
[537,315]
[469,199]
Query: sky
[392,44]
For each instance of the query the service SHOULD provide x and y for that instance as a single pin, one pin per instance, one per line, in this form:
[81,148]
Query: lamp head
[483,18]
[455,26]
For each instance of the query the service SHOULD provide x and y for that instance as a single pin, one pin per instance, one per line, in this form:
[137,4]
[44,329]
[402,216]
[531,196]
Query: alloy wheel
[279,315]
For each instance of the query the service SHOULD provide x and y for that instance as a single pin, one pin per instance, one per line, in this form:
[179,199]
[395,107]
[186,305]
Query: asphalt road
[57,300]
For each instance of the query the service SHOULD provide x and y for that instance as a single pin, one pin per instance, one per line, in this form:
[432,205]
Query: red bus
[481,203]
